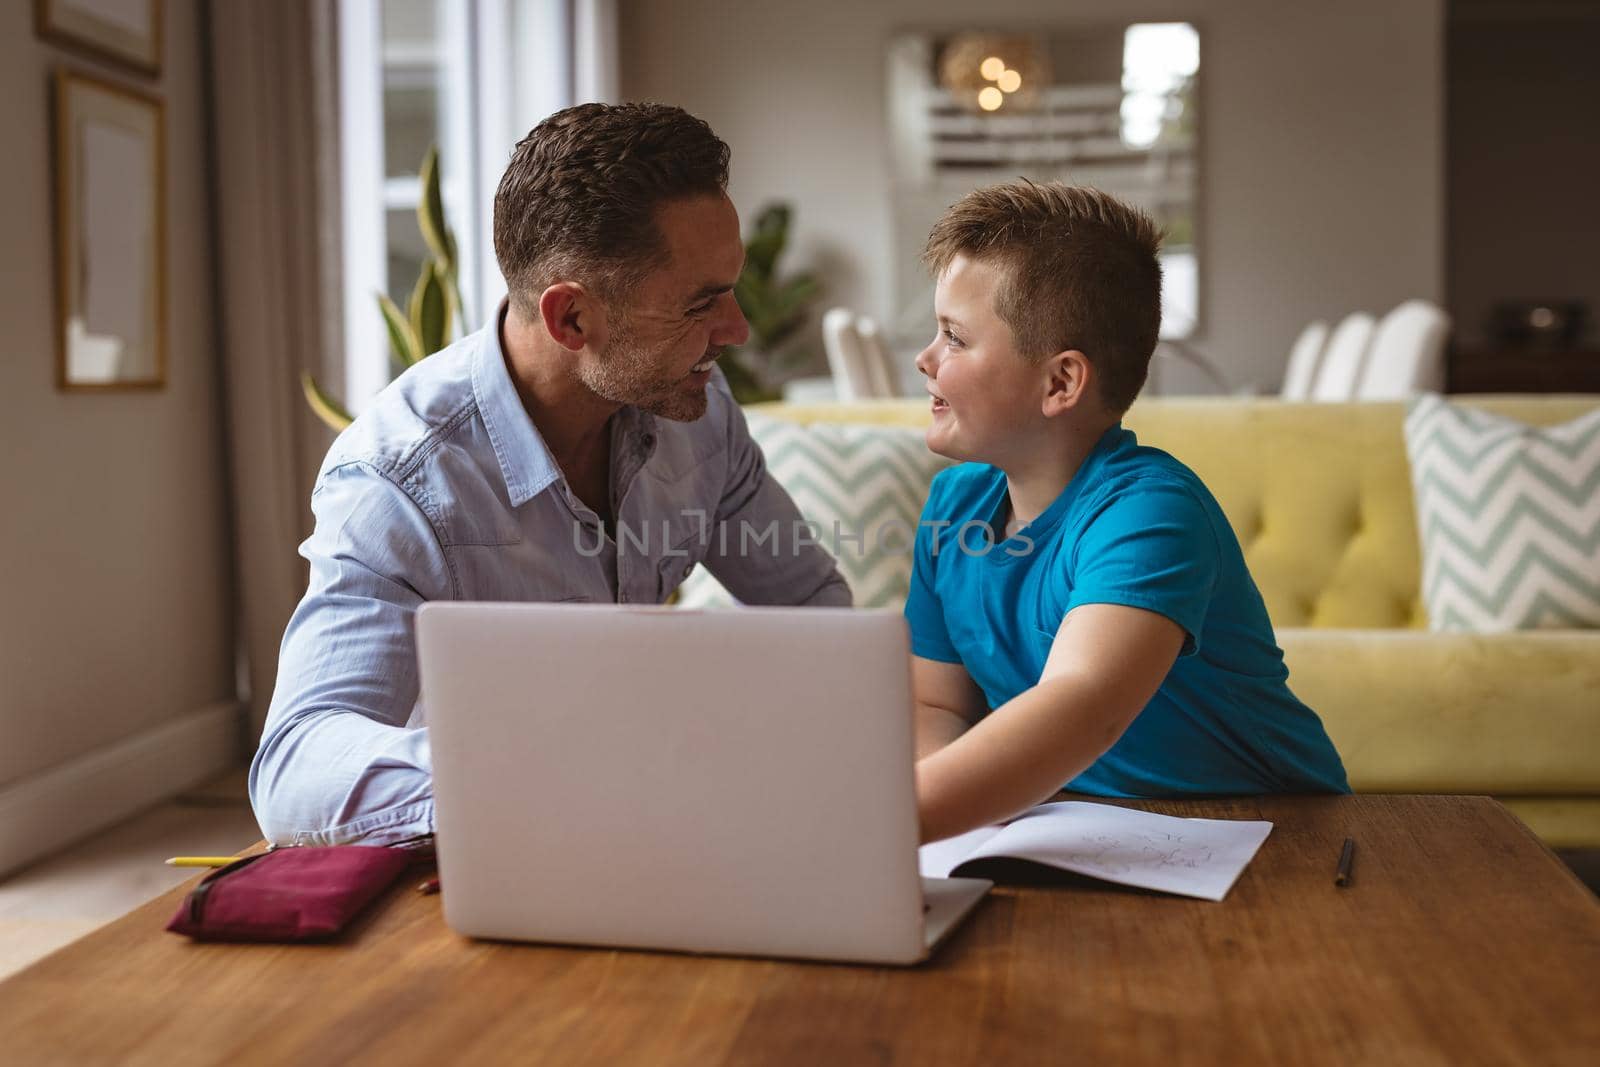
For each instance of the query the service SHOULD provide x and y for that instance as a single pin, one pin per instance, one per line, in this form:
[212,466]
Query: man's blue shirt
[444,490]
[1138,528]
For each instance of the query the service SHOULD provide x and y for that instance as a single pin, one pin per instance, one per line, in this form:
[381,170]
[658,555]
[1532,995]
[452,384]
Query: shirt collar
[1090,472]
[525,460]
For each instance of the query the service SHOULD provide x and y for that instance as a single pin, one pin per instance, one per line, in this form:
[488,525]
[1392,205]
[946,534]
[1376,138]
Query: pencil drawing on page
[1125,853]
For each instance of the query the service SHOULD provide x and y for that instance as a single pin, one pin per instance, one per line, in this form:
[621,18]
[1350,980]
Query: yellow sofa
[1320,497]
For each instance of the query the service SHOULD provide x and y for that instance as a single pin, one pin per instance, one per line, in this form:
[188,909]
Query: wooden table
[1460,940]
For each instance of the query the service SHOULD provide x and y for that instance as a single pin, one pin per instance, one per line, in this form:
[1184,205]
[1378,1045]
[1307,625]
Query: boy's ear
[570,315]
[1069,377]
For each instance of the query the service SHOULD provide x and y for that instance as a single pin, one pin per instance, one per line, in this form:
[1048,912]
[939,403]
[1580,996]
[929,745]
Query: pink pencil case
[289,894]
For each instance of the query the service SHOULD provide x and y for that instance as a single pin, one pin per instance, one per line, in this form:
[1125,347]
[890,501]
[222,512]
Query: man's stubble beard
[623,374]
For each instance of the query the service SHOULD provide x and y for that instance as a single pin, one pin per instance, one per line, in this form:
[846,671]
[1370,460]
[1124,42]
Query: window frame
[501,66]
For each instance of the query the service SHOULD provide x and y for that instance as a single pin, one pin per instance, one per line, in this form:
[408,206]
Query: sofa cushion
[1419,712]
[1319,494]
[1509,517]
[863,486]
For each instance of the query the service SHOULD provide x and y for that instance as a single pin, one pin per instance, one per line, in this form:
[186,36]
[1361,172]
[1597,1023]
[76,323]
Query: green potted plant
[432,310]
[776,308]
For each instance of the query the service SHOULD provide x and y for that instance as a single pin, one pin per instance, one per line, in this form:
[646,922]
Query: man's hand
[1106,663]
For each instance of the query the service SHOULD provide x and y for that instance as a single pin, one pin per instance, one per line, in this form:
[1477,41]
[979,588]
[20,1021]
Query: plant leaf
[430,311]
[452,279]
[776,310]
[402,338]
[788,303]
[450,245]
[329,410]
[798,290]
[747,291]
[766,245]
[743,383]
[430,213]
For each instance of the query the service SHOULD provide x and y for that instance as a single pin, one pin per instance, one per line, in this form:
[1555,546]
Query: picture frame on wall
[110,229]
[126,32]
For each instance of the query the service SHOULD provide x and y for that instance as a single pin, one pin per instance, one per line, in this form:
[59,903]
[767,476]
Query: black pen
[1341,877]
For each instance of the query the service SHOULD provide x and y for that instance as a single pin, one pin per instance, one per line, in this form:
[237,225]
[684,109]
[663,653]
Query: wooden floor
[62,897]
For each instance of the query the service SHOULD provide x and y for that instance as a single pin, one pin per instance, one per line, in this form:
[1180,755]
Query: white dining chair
[1406,356]
[859,373]
[1305,355]
[1339,373]
[881,370]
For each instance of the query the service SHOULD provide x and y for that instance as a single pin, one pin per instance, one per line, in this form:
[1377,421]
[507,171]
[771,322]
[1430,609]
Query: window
[472,77]
[1113,106]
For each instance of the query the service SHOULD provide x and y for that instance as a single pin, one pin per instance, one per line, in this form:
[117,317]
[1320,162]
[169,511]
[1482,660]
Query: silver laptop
[733,782]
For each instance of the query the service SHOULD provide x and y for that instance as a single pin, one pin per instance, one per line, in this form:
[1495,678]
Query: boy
[1081,614]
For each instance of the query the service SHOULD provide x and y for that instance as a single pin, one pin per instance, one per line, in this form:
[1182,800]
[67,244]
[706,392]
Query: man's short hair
[579,198]
[1080,271]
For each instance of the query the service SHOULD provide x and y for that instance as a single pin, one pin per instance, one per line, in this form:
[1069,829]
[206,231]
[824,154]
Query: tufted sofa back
[1319,494]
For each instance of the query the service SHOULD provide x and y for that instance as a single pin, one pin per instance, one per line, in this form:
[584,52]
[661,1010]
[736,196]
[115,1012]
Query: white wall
[1321,141]
[115,599]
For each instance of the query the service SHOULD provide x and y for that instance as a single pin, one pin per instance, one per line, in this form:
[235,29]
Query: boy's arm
[947,702]
[1105,664]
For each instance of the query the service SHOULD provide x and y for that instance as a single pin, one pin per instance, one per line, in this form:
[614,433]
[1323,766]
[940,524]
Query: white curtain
[596,76]
[274,173]
[276,161]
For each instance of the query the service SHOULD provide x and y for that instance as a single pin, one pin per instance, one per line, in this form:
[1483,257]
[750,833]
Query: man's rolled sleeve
[337,761]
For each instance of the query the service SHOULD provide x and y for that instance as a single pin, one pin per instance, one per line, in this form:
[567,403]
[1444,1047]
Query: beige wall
[1321,141]
[114,575]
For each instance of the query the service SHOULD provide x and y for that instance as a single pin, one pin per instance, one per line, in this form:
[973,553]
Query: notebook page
[1191,857]
[937,858]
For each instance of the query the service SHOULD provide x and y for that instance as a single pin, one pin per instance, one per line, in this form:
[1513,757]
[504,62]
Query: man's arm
[754,568]
[337,761]
[1105,664]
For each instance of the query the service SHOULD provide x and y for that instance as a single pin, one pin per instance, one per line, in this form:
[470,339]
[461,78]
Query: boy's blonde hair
[1080,272]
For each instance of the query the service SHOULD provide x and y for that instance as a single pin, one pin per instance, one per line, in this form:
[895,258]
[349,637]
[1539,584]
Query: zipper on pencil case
[198,895]
[421,844]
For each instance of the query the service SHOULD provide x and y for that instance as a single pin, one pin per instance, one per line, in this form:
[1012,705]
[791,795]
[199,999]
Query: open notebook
[1191,857]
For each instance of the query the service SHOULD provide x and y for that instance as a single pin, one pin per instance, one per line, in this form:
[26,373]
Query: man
[581,447]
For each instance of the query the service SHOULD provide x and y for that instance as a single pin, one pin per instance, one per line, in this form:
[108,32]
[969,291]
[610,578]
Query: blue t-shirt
[1133,527]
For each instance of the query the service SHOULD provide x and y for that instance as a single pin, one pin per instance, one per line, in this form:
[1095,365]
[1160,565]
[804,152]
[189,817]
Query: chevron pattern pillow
[1509,517]
[869,480]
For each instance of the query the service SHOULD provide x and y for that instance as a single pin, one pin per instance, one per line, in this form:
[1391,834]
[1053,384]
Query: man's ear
[1069,379]
[569,315]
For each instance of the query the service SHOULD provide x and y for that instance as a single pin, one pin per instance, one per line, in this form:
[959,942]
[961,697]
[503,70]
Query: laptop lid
[727,782]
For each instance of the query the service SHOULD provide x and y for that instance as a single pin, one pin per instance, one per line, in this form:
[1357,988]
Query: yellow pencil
[200,861]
